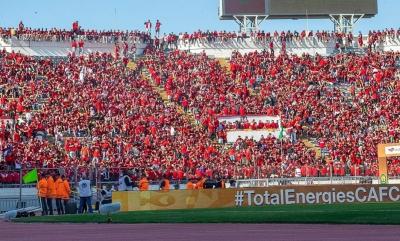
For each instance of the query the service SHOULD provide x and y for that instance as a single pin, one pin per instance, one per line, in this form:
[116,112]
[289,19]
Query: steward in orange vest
[42,193]
[62,194]
[200,184]
[144,183]
[190,185]
[51,193]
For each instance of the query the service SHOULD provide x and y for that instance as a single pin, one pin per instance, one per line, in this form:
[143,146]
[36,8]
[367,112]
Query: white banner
[233,135]
[251,118]
[392,150]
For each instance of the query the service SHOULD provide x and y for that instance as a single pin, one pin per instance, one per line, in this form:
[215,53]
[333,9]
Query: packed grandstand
[160,114]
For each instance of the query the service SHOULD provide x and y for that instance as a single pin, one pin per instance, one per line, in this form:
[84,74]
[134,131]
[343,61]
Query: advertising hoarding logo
[383,179]
[291,196]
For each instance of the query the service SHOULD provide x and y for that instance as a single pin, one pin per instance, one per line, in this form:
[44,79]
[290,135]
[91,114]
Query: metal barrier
[7,204]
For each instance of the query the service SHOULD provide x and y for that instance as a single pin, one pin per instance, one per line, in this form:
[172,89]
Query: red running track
[189,232]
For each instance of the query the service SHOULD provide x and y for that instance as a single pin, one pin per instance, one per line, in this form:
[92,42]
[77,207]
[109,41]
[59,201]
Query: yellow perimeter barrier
[220,198]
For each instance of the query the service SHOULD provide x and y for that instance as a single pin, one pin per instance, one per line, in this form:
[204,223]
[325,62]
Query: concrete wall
[225,49]
[215,49]
[57,49]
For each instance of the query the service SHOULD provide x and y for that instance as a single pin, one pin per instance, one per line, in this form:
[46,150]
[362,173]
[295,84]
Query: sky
[175,15]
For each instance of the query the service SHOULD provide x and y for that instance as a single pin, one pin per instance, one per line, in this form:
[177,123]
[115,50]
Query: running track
[194,232]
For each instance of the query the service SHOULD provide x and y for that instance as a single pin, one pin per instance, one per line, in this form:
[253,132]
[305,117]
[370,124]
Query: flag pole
[281,158]
[19,205]
[281,138]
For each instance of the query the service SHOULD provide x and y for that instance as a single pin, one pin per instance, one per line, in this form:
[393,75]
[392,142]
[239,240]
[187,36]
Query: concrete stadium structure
[215,49]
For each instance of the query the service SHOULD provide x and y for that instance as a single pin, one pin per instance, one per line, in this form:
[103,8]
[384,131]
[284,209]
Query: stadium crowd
[172,41]
[75,33]
[283,38]
[94,111]
[306,92]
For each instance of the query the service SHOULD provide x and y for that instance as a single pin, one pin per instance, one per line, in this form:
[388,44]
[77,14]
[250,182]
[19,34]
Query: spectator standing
[133,51]
[165,185]
[271,47]
[51,193]
[147,26]
[81,44]
[116,51]
[20,26]
[75,27]
[85,194]
[106,195]
[125,182]
[158,26]
[74,46]
[125,50]
[360,40]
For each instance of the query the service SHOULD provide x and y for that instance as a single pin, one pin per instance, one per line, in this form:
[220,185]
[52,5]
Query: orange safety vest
[222,184]
[200,184]
[51,188]
[42,187]
[190,185]
[143,184]
[62,189]
[59,187]
[67,190]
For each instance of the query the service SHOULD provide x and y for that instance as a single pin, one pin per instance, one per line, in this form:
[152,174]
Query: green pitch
[371,213]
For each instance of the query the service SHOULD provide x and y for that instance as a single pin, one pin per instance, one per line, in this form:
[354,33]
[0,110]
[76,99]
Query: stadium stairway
[131,65]
[164,96]
[224,64]
[312,145]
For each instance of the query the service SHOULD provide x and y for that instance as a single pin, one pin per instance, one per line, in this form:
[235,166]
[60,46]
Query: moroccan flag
[31,176]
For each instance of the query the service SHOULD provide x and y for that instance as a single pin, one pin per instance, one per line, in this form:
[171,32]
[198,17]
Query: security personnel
[59,184]
[62,194]
[190,185]
[42,193]
[51,193]
[85,194]
[222,183]
[200,183]
[67,192]
[125,182]
[165,185]
[144,183]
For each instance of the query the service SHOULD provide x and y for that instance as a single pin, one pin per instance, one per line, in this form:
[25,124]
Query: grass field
[371,213]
